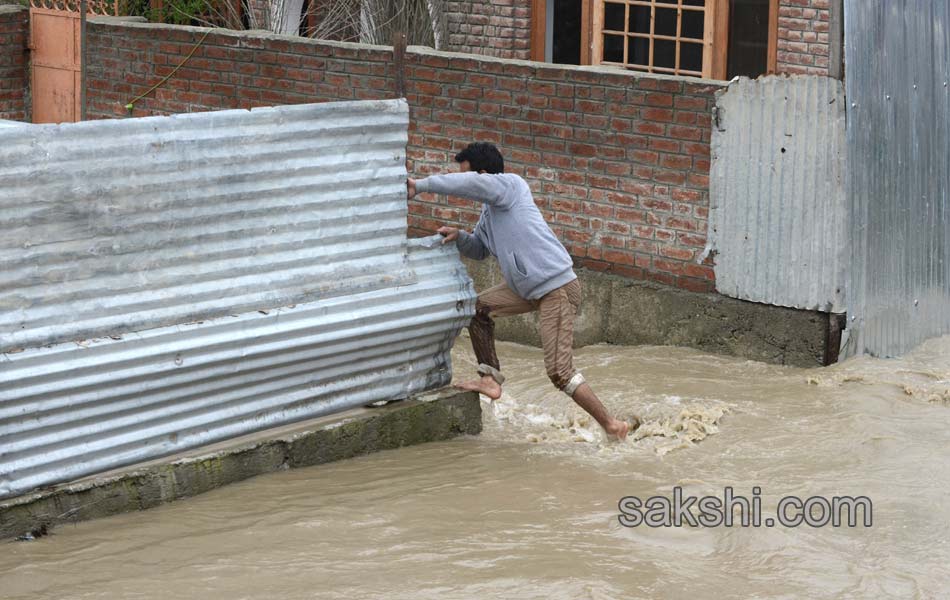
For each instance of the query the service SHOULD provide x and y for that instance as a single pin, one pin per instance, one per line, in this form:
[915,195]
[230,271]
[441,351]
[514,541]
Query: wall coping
[258,34]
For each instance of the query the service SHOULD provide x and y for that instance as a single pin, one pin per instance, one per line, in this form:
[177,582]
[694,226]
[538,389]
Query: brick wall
[14,63]
[500,28]
[618,161]
[803,36]
[503,29]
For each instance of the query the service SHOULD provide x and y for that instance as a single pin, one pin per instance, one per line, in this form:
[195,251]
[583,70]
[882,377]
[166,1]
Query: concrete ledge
[618,310]
[438,415]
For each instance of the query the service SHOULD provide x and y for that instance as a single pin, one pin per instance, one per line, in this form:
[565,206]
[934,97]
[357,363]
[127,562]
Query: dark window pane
[614,16]
[691,57]
[665,22]
[664,53]
[693,22]
[748,38]
[613,48]
[567,32]
[639,51]
[639,19]
[694,2]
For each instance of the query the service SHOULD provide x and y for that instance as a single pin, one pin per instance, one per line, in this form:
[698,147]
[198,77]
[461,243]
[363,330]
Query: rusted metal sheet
[778,210]
[898,80]
[175,281]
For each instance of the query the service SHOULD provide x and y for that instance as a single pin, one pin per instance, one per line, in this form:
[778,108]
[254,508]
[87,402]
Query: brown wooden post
[596,33]
[587,24]
[399,63]
[539,26]
[717,40]
[771,66]
[311,18]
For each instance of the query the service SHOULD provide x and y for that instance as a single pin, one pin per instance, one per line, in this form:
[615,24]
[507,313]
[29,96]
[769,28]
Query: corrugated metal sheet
[121,225]
[778,214]
[360,334]
[898,79]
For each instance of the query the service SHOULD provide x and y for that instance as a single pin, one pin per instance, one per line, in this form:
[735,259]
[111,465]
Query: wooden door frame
[539,16]
[721,30]
[716,51]
[539,20]
[771,64]
[587,32]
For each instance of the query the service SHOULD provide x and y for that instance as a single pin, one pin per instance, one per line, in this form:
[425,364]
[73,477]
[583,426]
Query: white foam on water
[532,410]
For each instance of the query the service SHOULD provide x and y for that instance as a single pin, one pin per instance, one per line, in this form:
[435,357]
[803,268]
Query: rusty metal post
[399,63]
[836,64]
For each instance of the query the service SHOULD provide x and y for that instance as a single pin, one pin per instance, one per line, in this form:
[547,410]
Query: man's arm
[468,244]
[471,244]
[490,189]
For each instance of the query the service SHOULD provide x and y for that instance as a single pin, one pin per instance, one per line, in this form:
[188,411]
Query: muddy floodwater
[529,509]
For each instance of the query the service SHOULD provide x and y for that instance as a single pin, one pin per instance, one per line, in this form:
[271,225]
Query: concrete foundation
[429,417]
[618,310]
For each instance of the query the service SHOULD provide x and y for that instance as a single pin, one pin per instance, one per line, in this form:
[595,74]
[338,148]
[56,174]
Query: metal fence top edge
[397,108]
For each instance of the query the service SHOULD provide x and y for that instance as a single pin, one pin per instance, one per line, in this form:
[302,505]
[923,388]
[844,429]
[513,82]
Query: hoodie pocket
[518,265]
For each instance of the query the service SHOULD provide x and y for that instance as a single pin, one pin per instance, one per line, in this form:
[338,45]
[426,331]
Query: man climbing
[537,269]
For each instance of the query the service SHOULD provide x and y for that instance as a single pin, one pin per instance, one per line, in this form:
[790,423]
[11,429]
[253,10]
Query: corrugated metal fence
[778,211]
[169,282]
[121,225]
[898,81]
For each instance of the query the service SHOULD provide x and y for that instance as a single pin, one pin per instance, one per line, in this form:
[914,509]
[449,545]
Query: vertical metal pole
[836,40]
[82,59]
[399,60]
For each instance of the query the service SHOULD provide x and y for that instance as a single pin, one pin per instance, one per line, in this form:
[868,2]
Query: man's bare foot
[620,429]
[486,385]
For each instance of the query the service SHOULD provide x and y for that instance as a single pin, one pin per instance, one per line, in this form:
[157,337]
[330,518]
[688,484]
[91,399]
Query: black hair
[482,156]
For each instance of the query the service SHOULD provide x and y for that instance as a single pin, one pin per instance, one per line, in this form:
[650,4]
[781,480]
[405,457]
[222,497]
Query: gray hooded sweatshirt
[511,228]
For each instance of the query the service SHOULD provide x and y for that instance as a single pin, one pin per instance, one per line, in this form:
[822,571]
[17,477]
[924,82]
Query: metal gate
[56,42]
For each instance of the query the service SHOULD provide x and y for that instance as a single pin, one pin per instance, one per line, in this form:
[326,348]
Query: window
[716,39]
[560,31]
[657,36]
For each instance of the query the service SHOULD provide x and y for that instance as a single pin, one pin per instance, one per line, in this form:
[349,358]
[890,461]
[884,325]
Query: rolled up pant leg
[558,309]
[498,301]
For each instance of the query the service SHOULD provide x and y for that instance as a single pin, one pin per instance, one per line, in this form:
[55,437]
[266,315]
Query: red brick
[699,271]
[659,99]
[622,257]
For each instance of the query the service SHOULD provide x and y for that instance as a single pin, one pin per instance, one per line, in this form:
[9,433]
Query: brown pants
[557,310]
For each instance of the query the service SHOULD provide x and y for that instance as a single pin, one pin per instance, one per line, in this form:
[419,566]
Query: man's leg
[558,309]
[496,301]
